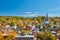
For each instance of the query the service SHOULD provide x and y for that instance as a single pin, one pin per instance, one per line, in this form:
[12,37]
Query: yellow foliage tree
[1,35]
[11,34]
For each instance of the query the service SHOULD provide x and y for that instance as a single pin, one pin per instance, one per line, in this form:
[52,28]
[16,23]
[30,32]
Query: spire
[47,17]
[46,21]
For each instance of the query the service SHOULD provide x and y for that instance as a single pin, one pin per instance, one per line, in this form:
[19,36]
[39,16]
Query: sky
[29,7]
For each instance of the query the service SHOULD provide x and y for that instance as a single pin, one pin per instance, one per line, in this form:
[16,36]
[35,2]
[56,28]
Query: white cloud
[53,15]
[37,12]
[28,12]
[31,14]
[53,9]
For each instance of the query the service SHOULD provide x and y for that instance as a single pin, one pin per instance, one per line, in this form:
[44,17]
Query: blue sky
[29,7]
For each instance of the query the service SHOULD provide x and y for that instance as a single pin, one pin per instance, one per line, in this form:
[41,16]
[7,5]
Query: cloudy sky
[29,7]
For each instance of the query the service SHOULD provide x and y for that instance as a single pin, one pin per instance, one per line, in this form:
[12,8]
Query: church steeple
[46,20]
[46,17]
